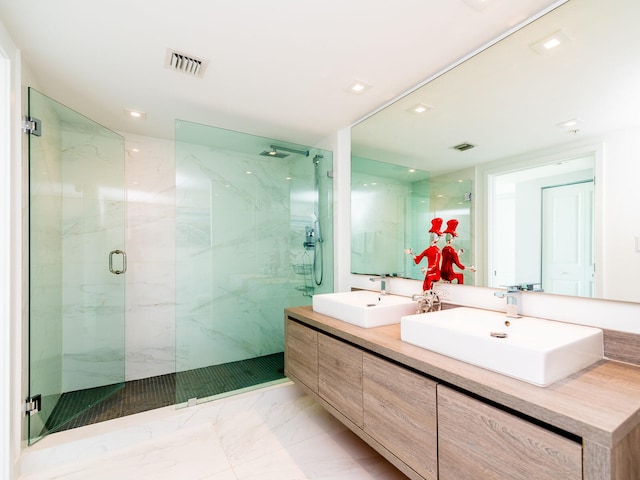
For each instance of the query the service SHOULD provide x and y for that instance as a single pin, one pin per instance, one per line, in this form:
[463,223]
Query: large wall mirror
[550,117]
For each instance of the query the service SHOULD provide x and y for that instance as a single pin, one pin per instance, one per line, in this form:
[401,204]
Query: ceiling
[511,101]
[279,69]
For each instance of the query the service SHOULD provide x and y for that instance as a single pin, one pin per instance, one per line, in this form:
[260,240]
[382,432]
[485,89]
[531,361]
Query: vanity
[435,417]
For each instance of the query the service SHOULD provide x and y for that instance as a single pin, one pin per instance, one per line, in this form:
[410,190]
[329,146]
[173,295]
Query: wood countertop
[600,403]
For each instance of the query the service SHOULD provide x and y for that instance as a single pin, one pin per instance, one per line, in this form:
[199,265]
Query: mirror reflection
[391,211]
[542,228]
[519,106]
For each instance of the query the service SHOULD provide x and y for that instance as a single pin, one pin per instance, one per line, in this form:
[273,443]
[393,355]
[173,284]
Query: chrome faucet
[511,295]
[383,283]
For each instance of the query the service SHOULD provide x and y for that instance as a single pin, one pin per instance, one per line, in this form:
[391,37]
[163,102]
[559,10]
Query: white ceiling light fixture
[358,87]
[550,42]
[420,108]
[571,124]
[135,114]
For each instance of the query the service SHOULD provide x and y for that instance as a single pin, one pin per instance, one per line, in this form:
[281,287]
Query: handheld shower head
[316,222]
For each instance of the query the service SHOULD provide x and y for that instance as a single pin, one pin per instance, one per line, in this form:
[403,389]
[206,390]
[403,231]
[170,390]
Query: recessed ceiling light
[412,170]
[550,42]
[137,114]
[420,108]
[572,123]
[358,87]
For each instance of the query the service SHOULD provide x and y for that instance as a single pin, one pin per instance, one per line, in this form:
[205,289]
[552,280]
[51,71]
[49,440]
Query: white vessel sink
[535,350]
[364,308]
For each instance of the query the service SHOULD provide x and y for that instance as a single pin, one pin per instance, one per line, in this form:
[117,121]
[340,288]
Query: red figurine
[450,256]
[433,254]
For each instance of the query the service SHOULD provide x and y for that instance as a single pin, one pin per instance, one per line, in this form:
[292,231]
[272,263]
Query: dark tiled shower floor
[155,392]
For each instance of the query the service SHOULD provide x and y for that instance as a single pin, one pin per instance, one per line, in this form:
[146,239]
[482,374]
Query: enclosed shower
[160,269]
[244,205]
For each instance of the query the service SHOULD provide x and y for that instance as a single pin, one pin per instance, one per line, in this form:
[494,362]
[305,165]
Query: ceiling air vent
[181,62]
[463,146]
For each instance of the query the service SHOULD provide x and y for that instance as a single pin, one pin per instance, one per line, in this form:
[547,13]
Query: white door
[567,239]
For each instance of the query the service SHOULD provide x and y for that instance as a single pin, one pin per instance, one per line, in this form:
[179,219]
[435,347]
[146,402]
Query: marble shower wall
[93,225]
[150,243]
[379,223]
[238,237]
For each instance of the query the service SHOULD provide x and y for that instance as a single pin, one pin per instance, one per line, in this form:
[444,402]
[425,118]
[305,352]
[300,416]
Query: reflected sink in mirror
[364,308]
[535,350]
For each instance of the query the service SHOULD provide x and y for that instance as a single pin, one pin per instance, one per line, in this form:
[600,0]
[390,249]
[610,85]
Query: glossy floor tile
[276,433]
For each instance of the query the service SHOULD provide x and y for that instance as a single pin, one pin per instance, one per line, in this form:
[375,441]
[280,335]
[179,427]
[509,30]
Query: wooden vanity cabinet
[477,441]
[418,411]
[428,430]
[400,413]
[340,377]
[301,354]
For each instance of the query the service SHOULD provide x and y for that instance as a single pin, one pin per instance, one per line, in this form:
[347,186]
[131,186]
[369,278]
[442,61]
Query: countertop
[600,403]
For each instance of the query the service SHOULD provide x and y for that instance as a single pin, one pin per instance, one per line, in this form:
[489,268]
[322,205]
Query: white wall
[620,268]
[10,256]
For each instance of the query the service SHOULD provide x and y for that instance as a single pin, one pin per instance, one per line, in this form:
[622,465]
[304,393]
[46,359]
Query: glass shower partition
[253,236]
[76,236]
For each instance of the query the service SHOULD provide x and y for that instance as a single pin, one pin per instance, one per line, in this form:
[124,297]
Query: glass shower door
[248,245]
[76,262]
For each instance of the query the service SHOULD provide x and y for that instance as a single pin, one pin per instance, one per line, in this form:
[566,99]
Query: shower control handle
[124,262]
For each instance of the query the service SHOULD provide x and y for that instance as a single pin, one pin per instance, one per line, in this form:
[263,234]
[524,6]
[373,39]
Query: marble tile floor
[273,433]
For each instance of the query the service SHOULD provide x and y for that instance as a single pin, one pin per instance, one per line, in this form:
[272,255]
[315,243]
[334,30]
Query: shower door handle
[124,261]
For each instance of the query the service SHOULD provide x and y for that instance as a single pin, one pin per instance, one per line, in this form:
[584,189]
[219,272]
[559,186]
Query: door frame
[485,184]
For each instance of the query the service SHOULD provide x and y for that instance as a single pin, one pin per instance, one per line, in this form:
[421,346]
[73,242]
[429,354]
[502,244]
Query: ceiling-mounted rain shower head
[273,152]
[277,148]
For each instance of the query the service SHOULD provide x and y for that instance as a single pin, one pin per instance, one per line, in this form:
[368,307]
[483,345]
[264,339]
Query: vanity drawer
[301,354]
[340,377]
[477,441]
[400,413]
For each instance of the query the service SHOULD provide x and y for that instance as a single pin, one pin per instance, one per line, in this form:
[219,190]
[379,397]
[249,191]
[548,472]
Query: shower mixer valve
[310,238]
